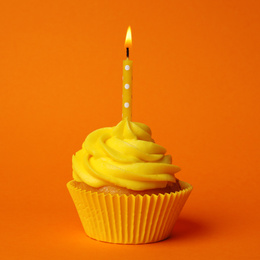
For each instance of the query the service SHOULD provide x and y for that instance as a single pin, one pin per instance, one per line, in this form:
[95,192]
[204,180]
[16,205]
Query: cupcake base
[113,190]
[129,219]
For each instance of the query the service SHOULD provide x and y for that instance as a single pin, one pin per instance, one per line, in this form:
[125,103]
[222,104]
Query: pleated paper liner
[130,219]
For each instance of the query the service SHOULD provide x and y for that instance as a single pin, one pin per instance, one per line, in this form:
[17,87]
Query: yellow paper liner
[129,219]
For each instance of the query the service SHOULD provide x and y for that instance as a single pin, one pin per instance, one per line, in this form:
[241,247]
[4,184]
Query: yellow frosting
[125,156]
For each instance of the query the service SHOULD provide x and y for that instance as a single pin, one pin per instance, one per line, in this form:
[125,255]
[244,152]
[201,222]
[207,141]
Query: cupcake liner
[129,219]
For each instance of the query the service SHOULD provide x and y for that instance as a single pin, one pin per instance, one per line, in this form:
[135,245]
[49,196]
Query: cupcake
[124,186]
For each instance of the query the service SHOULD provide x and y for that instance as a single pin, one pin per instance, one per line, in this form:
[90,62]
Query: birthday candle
[127,79]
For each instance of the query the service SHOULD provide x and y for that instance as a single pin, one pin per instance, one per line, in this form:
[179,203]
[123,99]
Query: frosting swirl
[125,156]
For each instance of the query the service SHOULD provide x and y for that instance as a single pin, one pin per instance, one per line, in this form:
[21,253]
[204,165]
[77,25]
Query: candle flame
[128,38]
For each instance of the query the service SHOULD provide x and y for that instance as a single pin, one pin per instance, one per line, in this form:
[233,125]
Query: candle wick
[127,52]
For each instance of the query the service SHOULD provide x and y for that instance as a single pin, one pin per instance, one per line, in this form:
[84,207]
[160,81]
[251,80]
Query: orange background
[196,84]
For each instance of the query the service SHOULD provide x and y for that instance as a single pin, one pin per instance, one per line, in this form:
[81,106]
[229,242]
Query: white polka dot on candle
[126,104]
[127,67]
[127,86]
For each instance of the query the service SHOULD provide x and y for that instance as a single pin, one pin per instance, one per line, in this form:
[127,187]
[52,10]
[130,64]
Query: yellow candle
[127,80]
